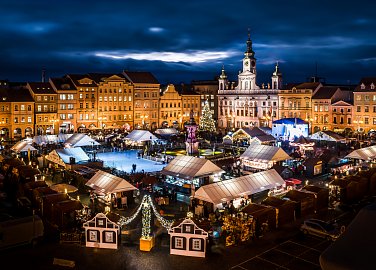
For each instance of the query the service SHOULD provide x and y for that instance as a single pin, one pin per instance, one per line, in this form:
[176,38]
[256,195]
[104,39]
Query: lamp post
[310,126]
[53,121]
[358,122]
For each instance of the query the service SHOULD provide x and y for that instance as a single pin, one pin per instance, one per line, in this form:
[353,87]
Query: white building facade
[246,104]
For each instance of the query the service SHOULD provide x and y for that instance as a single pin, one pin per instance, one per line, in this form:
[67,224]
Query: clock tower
[249,60]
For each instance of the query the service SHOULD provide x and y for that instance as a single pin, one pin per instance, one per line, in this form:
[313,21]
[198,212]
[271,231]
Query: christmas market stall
[328,137]
[68,157]
[343,190]
[244,136]
[37,195]
[48,201]
[184,173]
[285,209]
[219,194]
[238,228]
[262,157]
[313,166]
[26,173]
[30,186]
[366,154]
[64,213]
[321,196]
[305,200]
[188,237]
[139,137]
[265,217]
[111,189]
[80,140]
[23,148]
[303,145]
[166,132]
[101,232]
[51,139]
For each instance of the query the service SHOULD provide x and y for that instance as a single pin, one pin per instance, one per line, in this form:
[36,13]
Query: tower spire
[249,52]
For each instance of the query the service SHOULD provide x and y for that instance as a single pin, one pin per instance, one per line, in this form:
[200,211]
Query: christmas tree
[206,120]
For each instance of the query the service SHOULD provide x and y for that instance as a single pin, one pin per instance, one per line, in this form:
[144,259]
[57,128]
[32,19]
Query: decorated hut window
[178,242]
[196,244]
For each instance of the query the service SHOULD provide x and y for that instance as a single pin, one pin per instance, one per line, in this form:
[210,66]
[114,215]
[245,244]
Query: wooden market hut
[38,193]
[372,185]
[64,213]
[363,185]
[30,186]
[262,214]
[314,166]
[343,190]
[26,173]
[305,200]
[285,209]
[321,196]
[48,202]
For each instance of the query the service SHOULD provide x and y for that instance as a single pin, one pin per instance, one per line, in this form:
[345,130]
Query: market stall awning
[327,135]
[141,136]
[235,188]
[264,152]
[189,167]
[22,146]
[51,139]
[103,183]
[166,131]
[62,156]
[80,139]
[366,153]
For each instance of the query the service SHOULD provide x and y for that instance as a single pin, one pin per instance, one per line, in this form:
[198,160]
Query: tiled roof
[41,88]
[308,85]
[100,77]
[367,81]
[63,83]
[326,92]
[140,77]
[76,77]
[185,89]
[20,94]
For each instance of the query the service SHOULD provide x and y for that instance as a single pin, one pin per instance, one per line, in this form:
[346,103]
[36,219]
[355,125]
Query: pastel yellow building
[364,119]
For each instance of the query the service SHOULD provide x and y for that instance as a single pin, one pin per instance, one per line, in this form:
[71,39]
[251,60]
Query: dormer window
[372,86]
[362,86]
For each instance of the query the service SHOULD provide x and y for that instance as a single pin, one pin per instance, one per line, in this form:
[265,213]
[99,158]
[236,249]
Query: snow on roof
[103,182]
[166,131]
[237,187]
[47,139]
[65,154]
[189,167]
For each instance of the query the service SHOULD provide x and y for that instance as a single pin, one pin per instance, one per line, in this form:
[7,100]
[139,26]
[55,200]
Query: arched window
[245,85]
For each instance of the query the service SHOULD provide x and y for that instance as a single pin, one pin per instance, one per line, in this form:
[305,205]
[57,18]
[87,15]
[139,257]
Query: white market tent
[51,139]
[141,136]
[22,146]
[266,153]
[366,153]
[62,156]
[188,167]
[327,135]
[235,188]
[79,140]
[355,248]
[166,131]
[104,183]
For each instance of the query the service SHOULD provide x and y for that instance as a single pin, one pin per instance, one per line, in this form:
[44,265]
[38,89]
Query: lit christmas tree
[206,120]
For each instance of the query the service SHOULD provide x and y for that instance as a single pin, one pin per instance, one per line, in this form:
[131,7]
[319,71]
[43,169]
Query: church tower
[277,78]
[222,81]
[249,60]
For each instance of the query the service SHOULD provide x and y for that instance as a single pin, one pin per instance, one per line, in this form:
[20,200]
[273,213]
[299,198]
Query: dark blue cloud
[108,36]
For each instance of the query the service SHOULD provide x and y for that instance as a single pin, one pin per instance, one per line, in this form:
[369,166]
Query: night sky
[182,41]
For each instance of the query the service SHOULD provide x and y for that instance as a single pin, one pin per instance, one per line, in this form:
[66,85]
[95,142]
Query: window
[70,106]
[29,119]
[63,97]
[358,97]
[358,108]
[45,98]
[39,98]
[179,242]
[62,107]
[81,105]
[349,121]
[15,119]
[366,108]
[70,96]
[196,244]
[29,108]
[366,97]
[39,108]
[316,108]
[334,120]
[16,107]
[81,95]
[62,116]
[70,116]
[366,120]
[45,108]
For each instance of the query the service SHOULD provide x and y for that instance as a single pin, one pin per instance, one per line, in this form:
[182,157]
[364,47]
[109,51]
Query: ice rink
[123,161]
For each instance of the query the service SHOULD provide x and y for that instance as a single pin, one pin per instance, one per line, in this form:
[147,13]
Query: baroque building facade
[246,104]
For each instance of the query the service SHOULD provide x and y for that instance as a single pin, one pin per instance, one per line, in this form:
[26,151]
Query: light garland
[146,218]
[146,202]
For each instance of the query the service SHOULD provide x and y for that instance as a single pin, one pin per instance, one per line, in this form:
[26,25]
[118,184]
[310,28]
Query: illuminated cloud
[172,57]
[156,29]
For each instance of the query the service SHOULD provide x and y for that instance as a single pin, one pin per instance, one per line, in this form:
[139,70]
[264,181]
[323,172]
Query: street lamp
[101,119]
[310,121]
[358,122]
[53,121]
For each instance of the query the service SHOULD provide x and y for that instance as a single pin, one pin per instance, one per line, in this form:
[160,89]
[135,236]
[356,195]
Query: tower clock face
[246,63]
[253,63]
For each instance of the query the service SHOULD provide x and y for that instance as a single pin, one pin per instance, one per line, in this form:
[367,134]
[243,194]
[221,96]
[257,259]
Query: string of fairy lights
[146,206]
